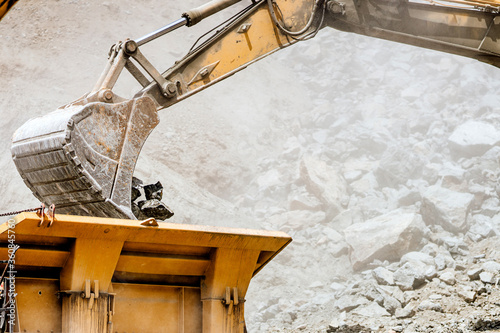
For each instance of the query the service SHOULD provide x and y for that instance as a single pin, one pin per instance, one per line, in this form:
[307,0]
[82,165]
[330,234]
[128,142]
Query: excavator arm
[248,37]
[466,28]
[82,156]
[460,27]
[5,6]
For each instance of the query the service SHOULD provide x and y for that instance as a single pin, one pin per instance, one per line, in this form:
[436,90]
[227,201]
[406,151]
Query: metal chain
[24,210]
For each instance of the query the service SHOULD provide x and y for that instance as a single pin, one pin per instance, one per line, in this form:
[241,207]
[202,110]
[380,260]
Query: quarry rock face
[386,237]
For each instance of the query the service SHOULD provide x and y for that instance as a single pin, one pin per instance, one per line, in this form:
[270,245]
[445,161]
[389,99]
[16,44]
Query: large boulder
[372,310]
[296,220]
[397,165]
[386,237]
[447,208]
[328,185]
[473,138]
[408,277]
[383,276]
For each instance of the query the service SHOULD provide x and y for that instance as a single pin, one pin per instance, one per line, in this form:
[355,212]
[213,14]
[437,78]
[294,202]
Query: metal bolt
[108,95]
[244,28]
[130,46]
[170,90]
[204,72]
[336,7]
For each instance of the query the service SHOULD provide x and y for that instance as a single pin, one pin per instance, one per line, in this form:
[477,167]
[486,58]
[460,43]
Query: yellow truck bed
[87,274]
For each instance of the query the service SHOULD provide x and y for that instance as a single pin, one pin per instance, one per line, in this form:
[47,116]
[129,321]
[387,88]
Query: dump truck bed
[87,274]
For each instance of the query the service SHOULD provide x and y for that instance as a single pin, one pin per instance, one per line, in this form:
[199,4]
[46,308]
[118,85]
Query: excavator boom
[82,156]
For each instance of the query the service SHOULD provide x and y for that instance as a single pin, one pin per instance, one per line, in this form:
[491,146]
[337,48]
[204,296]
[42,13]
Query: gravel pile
[395,212]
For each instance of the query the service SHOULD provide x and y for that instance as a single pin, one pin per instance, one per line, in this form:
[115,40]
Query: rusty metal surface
[82,158]
[39,305]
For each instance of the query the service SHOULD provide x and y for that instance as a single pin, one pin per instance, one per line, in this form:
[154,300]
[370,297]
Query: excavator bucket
[82,157]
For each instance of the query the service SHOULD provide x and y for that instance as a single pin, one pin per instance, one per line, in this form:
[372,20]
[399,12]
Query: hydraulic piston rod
[162,31]
[189,18]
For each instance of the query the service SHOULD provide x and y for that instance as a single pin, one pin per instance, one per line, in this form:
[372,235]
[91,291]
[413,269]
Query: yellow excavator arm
[82,156]
[460,27]
[5,5]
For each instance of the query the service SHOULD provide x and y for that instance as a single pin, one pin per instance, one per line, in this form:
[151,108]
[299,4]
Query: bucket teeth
[82,157]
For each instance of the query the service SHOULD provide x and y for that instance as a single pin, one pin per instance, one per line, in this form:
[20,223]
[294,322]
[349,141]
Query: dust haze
[381,160]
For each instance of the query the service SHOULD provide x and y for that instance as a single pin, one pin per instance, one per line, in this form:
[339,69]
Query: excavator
[81,158]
